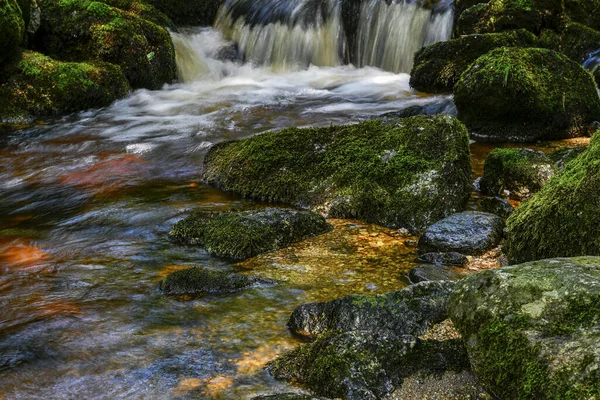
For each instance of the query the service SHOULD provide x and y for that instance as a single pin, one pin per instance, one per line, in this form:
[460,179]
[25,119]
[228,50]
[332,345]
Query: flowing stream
[86,203]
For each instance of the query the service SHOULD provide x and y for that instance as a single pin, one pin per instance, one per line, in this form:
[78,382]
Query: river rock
[450,259]
[438,67]
[287,396]
[200,280]
[244,234]
[533,330]
[516,173]
[469,232]
[576,41]
[525,94]
[411,310]
[563,156]
[402,174]
[561,220]
[12,29]
[497,206]
[430,272]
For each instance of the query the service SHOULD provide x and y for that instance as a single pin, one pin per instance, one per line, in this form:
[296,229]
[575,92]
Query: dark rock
[563,156]
[470,232]
[451,258]
[496,205]
[576,41]
[405,174]
[199,280]
[516,94]
[186,12]
[533,330]
[430,272]
[516,173]
[230,52]
[562,219]
[408,311]
[287,396]
[244,234]
[441,107]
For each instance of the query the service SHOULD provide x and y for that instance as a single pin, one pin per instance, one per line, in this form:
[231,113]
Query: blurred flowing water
[86,203]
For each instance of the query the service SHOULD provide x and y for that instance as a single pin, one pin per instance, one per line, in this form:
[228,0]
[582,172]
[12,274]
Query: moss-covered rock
[576,41]
[143,10]
[83,30]
[562,219]
[200,280]
[563,156]
[462,5]
[12,29]
[244,234]
[438,67]
[44,87]
[188,12]
[516,173]
[596,73]
[583,11]
[532,331]
[523,94]
[403,174]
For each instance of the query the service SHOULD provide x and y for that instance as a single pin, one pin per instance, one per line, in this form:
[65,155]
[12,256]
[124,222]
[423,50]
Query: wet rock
[430,272]
[43,87]
[497,206]
[516,173]
[438,67]
[516,94]
[12,29]
[576,41]
[287,396]
[470,232]
[244,234]
[533,330]
[405,174]
[562,219]
[143,10]
[563,156]
[451,258]
[185,12]
[230,52]
[199,280]
[408,311]
[441,107]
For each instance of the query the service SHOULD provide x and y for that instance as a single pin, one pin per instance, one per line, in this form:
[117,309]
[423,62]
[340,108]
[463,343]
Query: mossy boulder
[406,173]
[516,173]
[12,29]
[583,11]
[410,311]
[244,234]
[143,10]
[438,67]
[189,12]
[82,30]
[561,220]
[576,41]
[200,280]
[462,5]
[532,331]
[524,94]
[43,87]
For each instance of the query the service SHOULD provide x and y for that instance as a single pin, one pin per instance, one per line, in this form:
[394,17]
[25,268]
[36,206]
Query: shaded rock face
[497,206]
[244,234]
[532,330]
[408,311]
[404,174]
[199,280]
[451,258]
[516,173]
[469,232]
[12,29]
[524,94]
[562,219]
[437,68]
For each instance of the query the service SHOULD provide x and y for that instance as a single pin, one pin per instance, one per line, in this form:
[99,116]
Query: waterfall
[296,33]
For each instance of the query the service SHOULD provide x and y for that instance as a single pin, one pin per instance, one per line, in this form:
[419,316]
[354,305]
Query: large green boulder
[43,87]
[562,219]
[189,12]
[406,172]
[525,94]
[438,67]
[82,30]
[532,331]
[12,29]
[244,234]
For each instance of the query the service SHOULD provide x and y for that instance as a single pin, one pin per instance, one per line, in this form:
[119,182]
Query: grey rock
[429,272]
[496,205]
[451,258]
[200,280]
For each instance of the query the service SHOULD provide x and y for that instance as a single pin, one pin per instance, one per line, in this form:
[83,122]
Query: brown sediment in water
[21,254]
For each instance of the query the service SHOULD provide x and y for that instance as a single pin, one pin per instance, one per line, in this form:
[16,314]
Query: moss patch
[12,29]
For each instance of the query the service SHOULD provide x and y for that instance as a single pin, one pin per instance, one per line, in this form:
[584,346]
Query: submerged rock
[43,87]
[431,272]
[516,94]
[244,234]
[562,219]
[405,174]
[516,173]
[451,258]
[200,280]
[497,205]
[532,330]
[437,68]
[12,29]
[469,232]
[408,311]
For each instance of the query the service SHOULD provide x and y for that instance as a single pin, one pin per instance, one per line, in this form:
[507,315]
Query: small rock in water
[450,258]
[430,272]
[200,280]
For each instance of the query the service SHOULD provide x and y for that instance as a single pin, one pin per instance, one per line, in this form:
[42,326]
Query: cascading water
[297,33]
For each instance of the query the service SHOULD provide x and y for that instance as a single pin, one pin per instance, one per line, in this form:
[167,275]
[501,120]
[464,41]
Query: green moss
[44,87]
[438,67]
[560,220]
[583,11]
[12,29]
[576,41]
[525,94]
[407,174]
